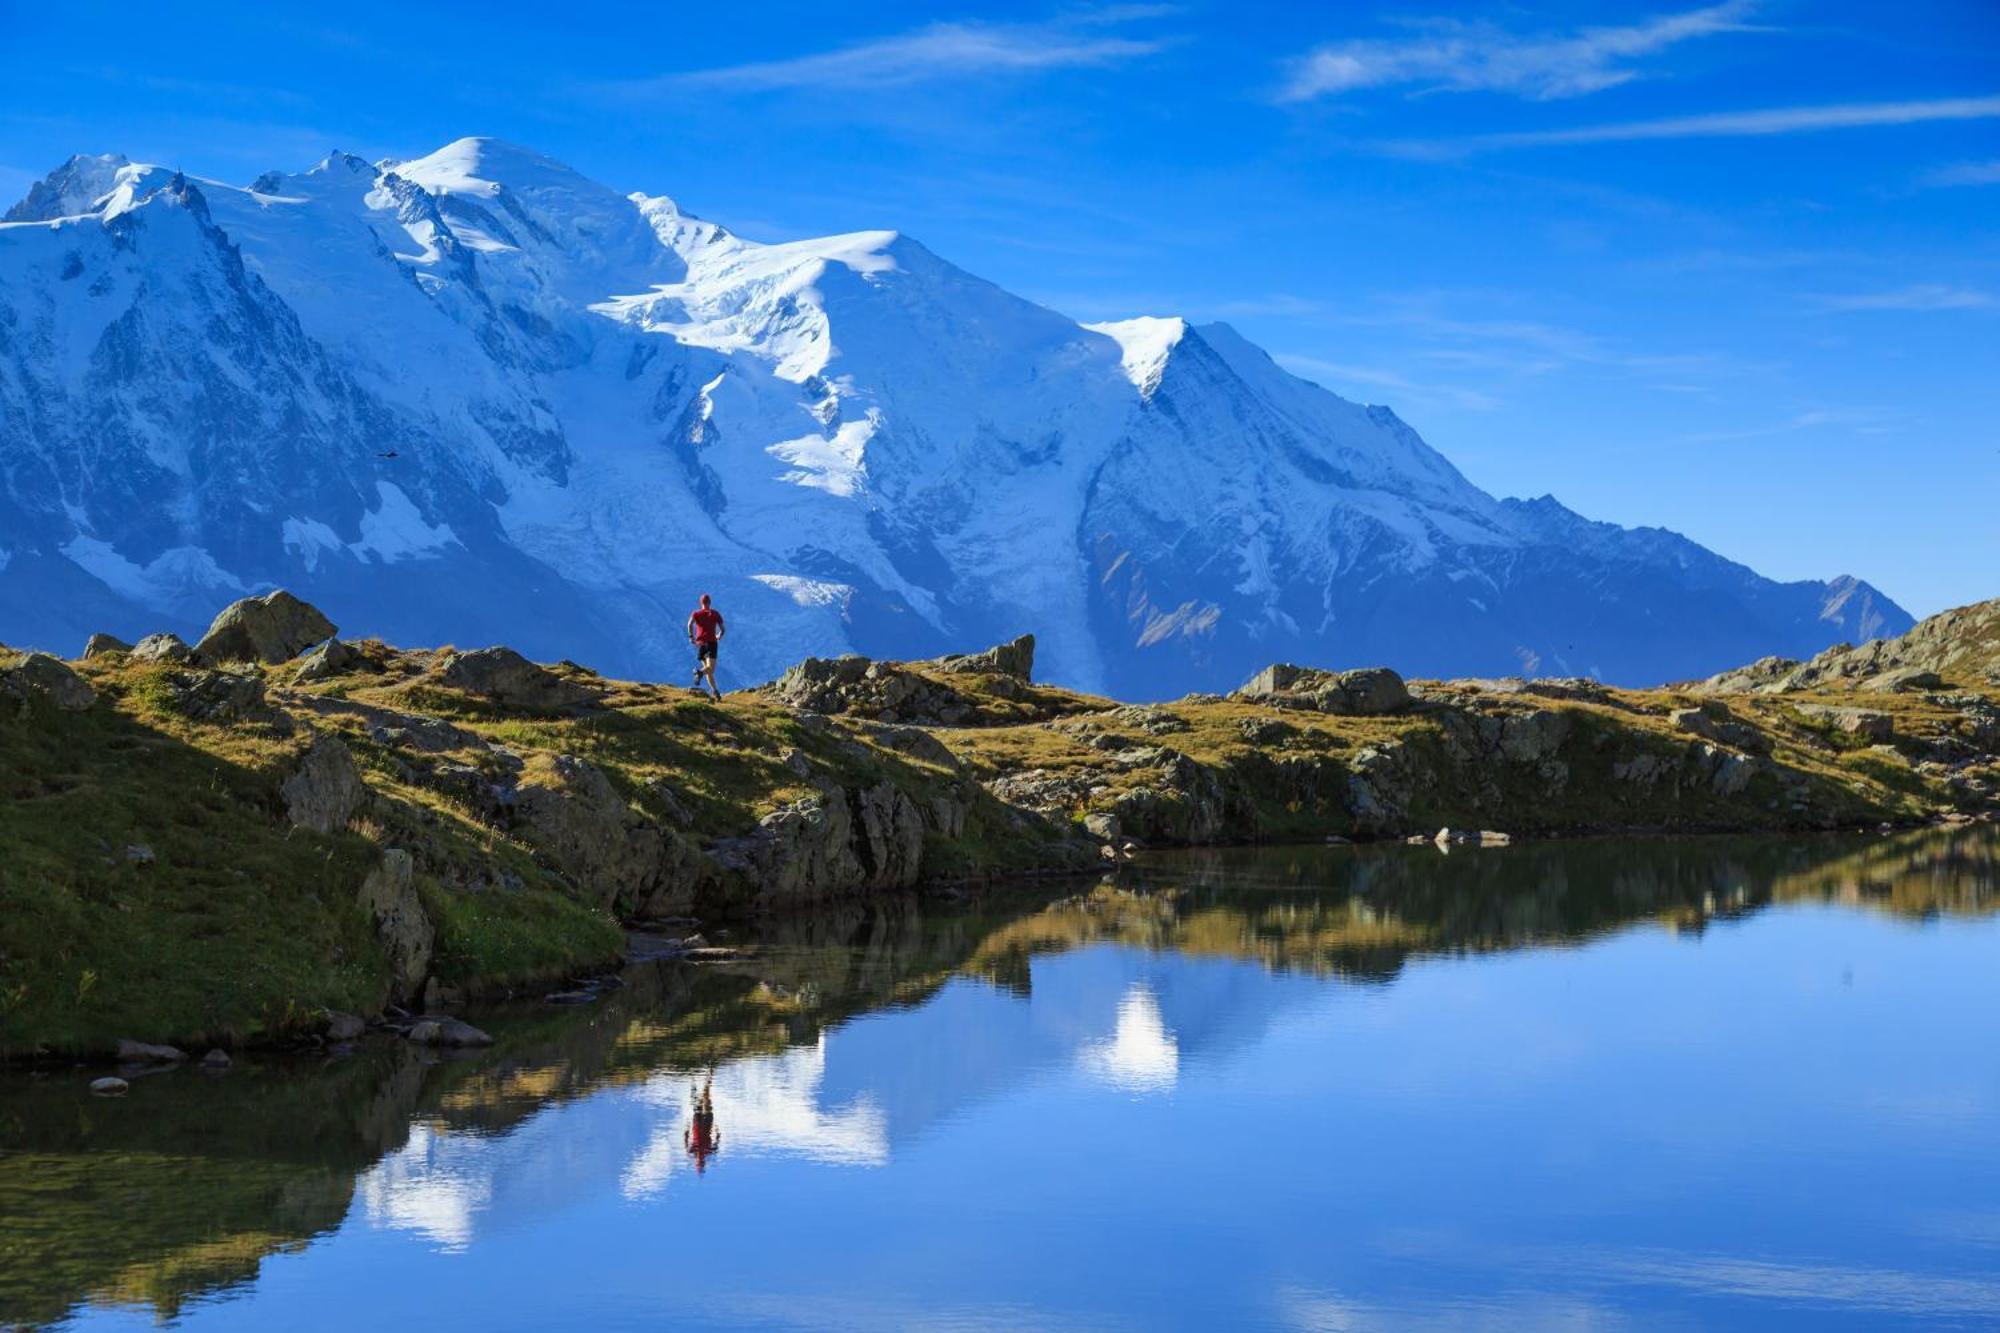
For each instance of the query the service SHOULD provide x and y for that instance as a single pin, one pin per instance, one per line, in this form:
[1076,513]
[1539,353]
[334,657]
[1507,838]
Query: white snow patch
[832,465]
[173,573]
[1145,344]
[307,537]
[803,592]
[397,530]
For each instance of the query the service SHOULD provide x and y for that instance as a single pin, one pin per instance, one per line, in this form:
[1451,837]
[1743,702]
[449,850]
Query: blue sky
[1729,268]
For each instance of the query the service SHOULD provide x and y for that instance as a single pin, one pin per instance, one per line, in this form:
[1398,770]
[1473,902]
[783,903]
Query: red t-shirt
[707,625]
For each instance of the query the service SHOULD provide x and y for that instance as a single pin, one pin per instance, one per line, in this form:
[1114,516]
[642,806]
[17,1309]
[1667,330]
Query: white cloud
[1966,173]
[1454,56]
[1921,296]
[940,50]
[1724,124]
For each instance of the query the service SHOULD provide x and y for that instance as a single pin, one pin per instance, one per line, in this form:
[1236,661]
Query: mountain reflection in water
[846,1039]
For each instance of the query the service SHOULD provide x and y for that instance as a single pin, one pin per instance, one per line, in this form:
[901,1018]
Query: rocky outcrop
[880,691]
[1714,721]
[1015,659]
[502,676]
[332,658]
[1864,722]
[162,648]
[389,896]
[273,628]
[837,842]
[323,793]
[103,645]
[1365,692]
[48,679]
[617,858]
[1961,645]
[219,697]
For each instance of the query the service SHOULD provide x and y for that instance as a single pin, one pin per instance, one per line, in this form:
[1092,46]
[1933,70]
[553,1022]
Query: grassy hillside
[221,853]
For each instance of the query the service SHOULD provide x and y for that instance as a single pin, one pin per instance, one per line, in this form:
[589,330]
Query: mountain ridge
[477,393]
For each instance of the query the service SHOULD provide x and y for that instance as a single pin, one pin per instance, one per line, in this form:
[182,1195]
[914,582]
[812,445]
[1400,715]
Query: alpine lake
[1686,1083]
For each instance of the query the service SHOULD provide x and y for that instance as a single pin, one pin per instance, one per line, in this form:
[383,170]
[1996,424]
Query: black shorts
[704,653]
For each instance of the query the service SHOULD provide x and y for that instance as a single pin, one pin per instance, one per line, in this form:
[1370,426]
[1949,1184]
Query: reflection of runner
[702,1139]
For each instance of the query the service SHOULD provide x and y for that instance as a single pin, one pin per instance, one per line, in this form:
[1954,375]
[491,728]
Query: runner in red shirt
[705,630]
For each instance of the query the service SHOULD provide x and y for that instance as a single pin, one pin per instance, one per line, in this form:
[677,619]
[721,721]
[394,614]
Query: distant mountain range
[478,395]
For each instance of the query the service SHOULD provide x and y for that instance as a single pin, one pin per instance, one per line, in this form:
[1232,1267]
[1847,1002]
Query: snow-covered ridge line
[477,393]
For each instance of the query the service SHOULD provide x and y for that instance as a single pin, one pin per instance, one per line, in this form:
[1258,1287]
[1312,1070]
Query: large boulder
[1014,658]
[40,676]
[103,645]
[1366,691]
[273,628]
[504,677]
[323,793]
[389,896]
[161,648]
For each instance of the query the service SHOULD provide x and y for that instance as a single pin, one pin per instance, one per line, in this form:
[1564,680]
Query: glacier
[476,397]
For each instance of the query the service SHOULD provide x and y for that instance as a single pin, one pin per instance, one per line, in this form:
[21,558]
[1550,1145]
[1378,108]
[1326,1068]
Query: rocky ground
[230,841]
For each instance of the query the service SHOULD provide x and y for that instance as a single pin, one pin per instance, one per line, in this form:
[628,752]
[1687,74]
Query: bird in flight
[390,454]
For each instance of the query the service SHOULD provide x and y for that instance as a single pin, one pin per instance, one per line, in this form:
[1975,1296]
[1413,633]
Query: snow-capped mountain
[477,397]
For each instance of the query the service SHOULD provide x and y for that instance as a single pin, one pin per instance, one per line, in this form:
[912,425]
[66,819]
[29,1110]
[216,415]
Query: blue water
[1731,1096]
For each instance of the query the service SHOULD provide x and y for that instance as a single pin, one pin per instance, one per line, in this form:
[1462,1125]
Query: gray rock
[1103,827]
[914,742]
[323,794]
[343,1027]
[1368,691]
[41,676]
[110,1087]
[504,677]
[148,1052]
[671,801]
[216,1059]
[1902,680]
[389,896]
[617,858]
[447,1032]
[103,645]
[1015,659]
[219,696]
[795,760]
[329,659]
[832,843]
[139,854]
[162,648]
[1853,721]
[1265,730]
[273,628]
[1714,722]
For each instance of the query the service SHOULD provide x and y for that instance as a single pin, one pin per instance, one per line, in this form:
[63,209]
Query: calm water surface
[1602,1084]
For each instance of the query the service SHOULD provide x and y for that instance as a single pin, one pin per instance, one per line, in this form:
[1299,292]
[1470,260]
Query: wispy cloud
[1452,56]
[1722,125]
[937,51]
[1337,374]
[1856,420]
[1921,296]
[1966,173]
